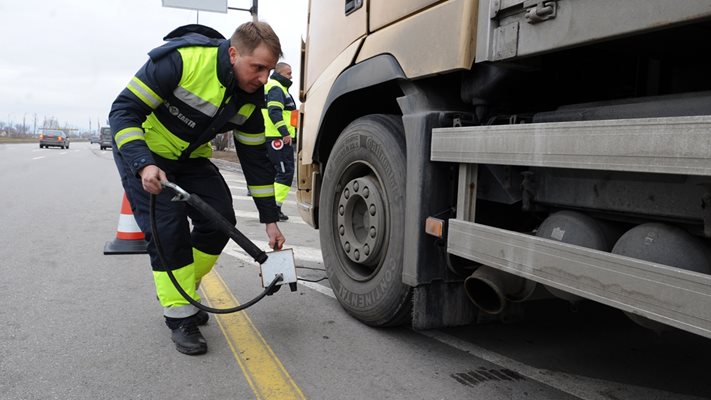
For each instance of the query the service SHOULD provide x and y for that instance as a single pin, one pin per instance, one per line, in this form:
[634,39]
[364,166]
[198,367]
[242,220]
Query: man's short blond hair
[251,34]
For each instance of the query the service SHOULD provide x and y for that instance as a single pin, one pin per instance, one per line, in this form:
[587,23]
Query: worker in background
[280,131]
[193,86]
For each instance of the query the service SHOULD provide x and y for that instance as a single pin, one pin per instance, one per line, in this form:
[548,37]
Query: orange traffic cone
[129,238]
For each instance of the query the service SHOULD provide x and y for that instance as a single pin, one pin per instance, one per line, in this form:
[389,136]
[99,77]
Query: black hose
[230,230]
[225,226]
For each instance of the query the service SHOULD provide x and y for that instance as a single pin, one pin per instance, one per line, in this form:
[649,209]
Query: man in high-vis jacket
[192,87]
[280,131]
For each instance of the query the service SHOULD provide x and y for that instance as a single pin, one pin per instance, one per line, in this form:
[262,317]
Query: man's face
[252,71]
[286,72]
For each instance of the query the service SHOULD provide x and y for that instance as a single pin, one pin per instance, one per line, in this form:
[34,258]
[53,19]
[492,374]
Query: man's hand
[151,177]
[287,140]
[276,239]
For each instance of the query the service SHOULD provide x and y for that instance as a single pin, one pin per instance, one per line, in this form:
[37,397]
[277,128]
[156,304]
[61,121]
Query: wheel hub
[361,220]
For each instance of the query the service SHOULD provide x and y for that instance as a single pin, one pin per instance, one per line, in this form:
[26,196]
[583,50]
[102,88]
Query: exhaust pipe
[491,289]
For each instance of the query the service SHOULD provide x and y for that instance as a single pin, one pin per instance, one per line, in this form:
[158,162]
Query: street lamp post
[254,10]
[213,6]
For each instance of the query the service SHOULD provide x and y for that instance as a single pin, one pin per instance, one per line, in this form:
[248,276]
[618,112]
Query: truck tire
[362,216]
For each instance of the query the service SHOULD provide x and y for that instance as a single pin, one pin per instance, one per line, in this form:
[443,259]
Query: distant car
[105,138]
[53,138]
[93,139]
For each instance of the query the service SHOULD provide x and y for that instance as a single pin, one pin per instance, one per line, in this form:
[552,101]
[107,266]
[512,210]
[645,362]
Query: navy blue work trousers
[196,176]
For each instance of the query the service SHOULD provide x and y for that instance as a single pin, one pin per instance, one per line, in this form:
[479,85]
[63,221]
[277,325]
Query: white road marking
[239,254]
[249,198]
[301,253]
[255,215]
[37,158]
[239,197]
[319,288]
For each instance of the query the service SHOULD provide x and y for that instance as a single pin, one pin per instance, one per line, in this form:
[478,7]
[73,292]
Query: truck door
[385,12]
[333,26]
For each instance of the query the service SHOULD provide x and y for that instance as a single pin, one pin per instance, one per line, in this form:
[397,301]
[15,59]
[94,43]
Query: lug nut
[372,209]
[346,193]
[341,210]
[366,249]
[372,232]
[356,255]
[366,192]
[347,246]
[355,186]
[342,230]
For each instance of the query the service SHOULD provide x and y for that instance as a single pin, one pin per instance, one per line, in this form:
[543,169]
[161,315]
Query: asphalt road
[81,325]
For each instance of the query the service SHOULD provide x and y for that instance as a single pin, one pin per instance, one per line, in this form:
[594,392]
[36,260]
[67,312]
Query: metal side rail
[669,295]
[673,145]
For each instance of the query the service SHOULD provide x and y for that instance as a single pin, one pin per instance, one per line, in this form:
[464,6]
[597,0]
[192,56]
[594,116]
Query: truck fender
[371,72]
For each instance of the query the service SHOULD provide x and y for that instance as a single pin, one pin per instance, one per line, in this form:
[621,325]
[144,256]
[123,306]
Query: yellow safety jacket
[280,106]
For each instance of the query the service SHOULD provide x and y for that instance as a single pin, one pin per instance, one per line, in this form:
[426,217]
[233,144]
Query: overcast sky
[69,59]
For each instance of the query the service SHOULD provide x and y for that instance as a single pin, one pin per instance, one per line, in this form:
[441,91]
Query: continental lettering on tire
[353,143]
[358,300]
[377,149]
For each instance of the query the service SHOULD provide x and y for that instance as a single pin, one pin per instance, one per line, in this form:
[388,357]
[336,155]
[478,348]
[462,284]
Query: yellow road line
[264,372]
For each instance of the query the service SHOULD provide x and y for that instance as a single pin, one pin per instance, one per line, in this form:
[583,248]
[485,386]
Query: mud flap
[440,304]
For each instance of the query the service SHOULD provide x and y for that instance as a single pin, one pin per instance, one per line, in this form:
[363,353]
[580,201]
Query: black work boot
[202,317]
[186,335]
[282,216]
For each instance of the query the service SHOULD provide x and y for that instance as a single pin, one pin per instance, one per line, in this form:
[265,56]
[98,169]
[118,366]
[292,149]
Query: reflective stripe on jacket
[277,115]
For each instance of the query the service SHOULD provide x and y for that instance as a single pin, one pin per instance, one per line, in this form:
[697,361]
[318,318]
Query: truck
[461,158]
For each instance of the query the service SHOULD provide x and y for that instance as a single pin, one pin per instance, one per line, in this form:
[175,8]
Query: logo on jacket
[175,111]
[277,144]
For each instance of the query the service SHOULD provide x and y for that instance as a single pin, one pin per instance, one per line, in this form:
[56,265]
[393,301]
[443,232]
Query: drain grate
[481,375]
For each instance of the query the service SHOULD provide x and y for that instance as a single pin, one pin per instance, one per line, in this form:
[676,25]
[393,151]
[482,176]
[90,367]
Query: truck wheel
[362,216]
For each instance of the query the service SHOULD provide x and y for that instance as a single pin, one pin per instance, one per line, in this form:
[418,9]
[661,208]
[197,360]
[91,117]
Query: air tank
[668,245]
[581,230]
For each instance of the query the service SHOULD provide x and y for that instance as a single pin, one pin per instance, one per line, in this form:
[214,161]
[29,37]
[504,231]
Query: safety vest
[272,130]
[200,89]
